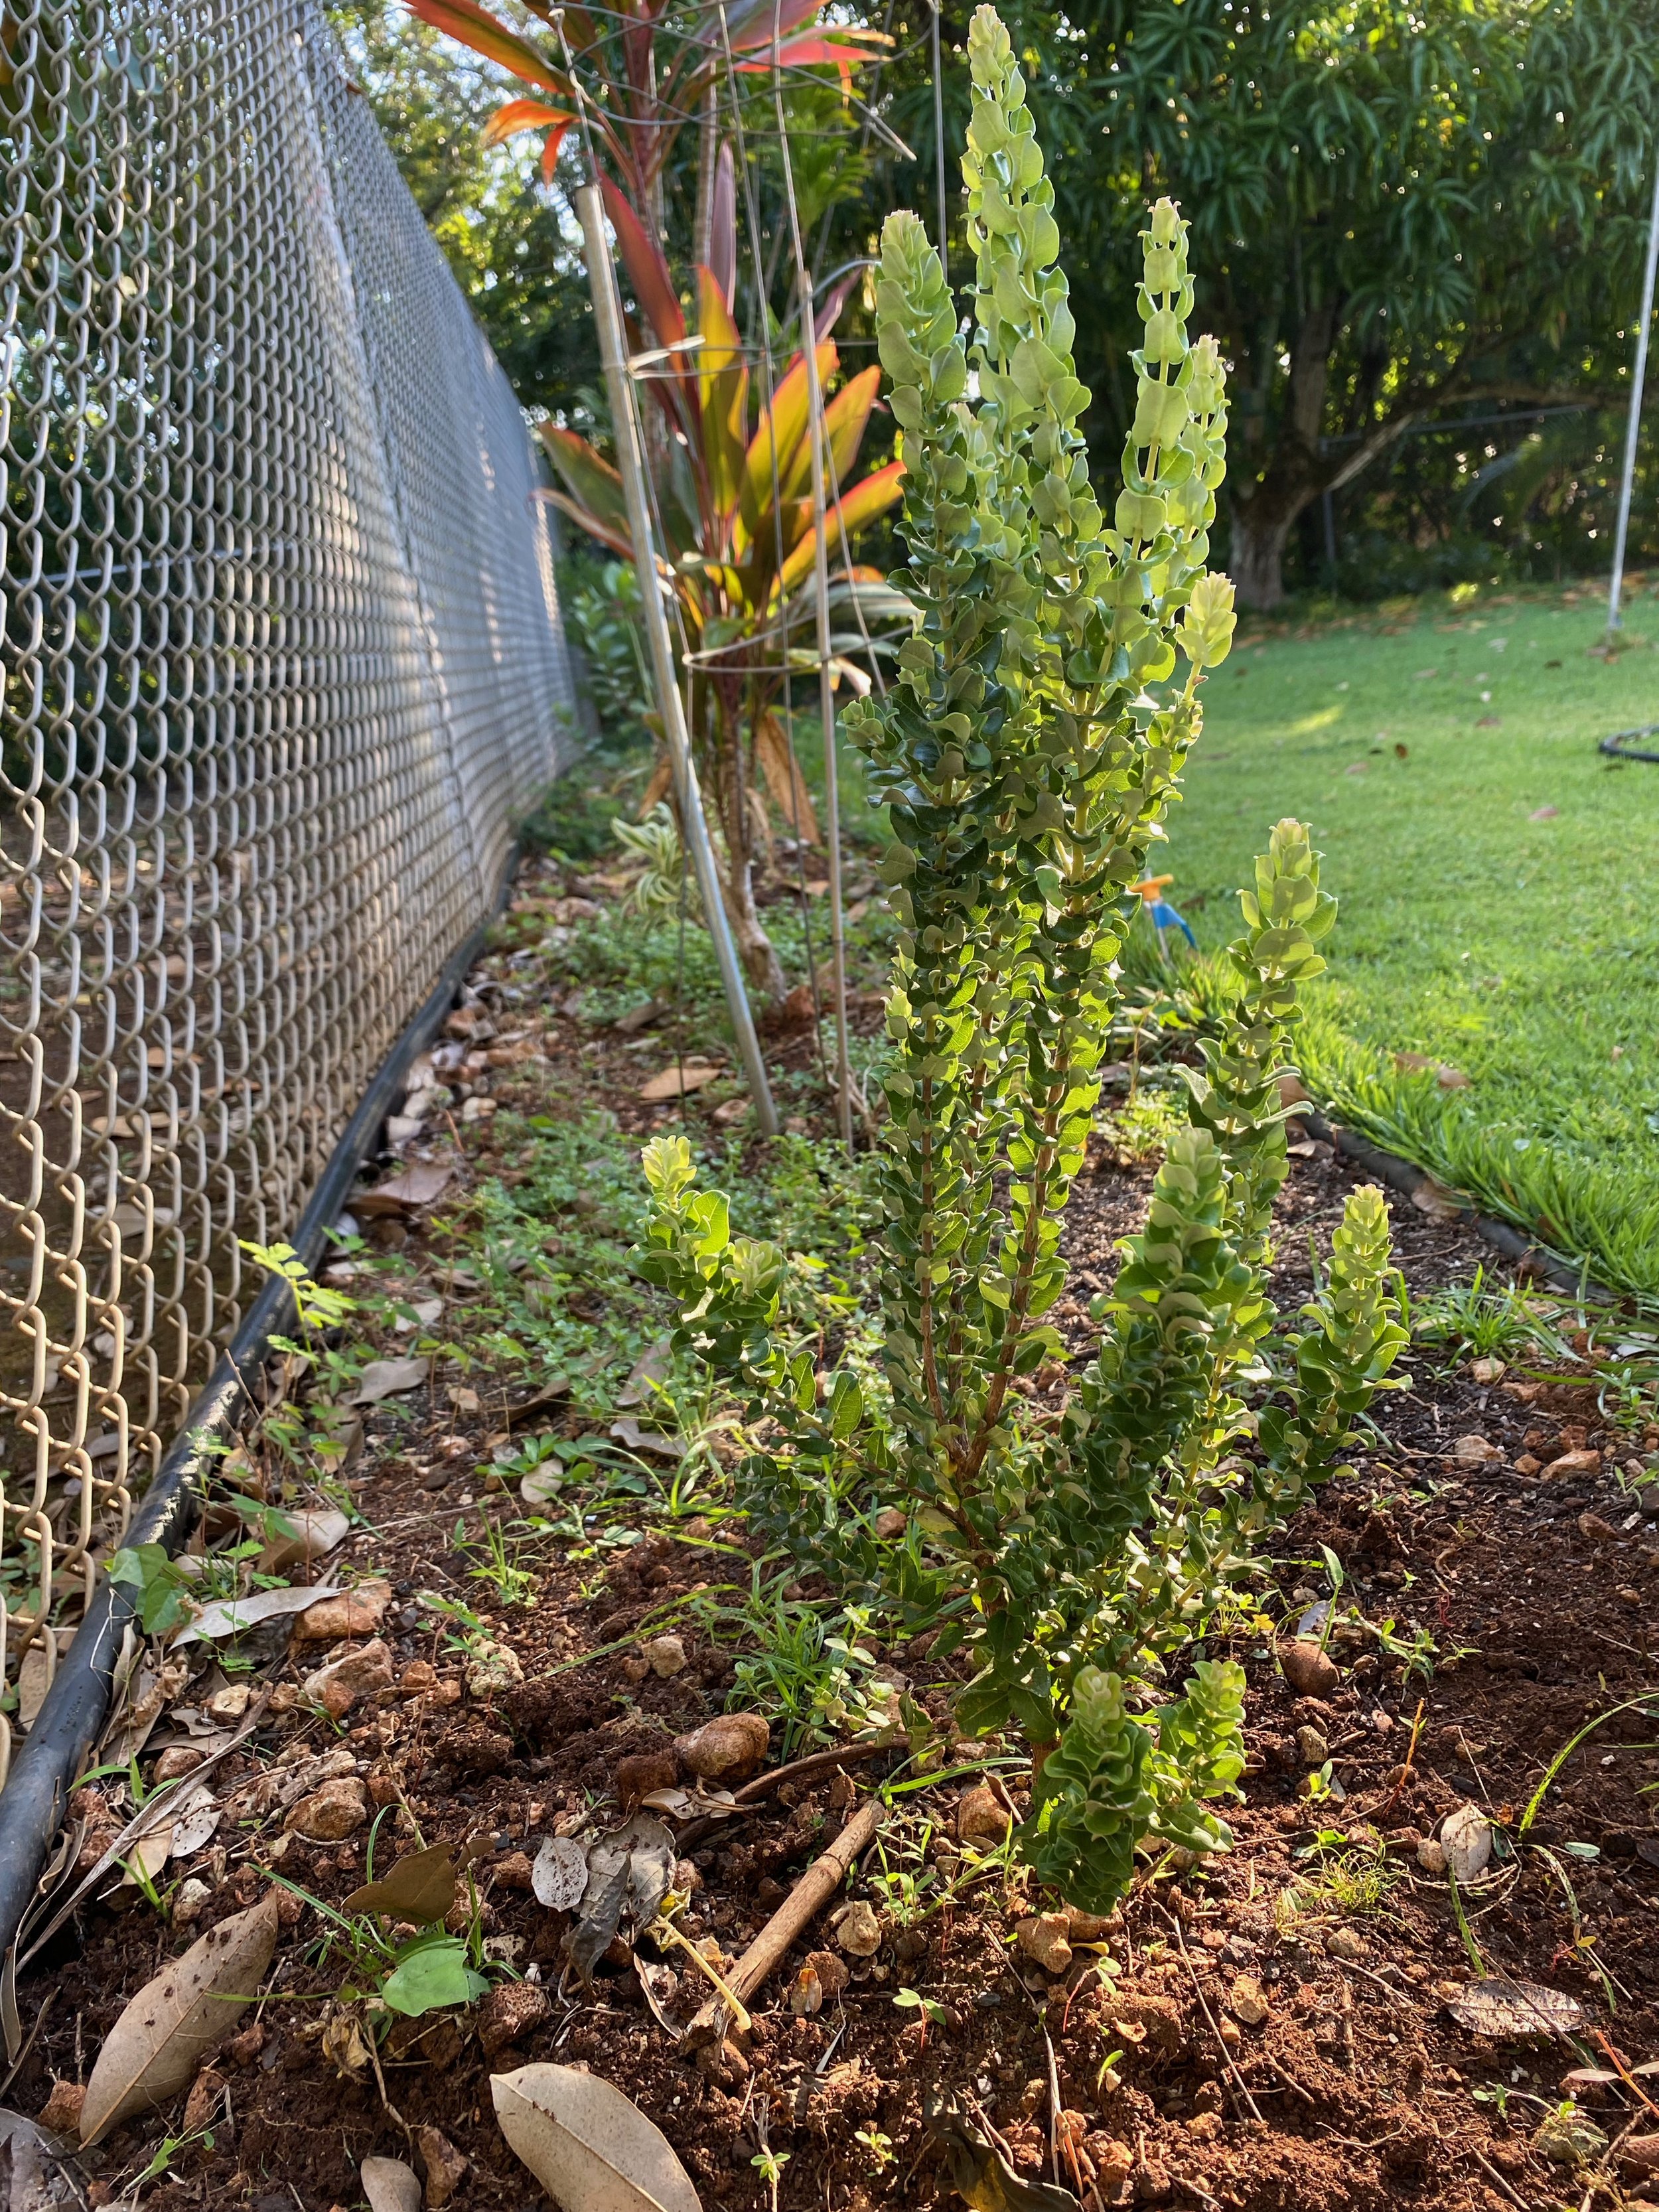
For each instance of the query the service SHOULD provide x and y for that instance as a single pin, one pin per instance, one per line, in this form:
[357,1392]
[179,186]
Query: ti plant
[1027,757]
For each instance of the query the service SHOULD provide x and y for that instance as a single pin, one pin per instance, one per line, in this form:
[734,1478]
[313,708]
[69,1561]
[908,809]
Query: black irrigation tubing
[1616,749]
[54,1751]
[1403,1176]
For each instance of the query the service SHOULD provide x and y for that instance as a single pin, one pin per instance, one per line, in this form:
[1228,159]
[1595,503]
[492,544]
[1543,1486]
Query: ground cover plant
[1494,869]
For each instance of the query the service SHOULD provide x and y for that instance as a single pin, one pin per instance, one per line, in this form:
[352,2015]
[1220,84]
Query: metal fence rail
[282,663]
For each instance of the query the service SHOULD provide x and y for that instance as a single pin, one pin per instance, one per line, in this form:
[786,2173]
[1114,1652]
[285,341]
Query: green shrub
[1026,765]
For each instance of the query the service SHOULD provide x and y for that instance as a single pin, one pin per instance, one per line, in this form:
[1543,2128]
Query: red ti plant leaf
[517,115]
[476,27]
[593,497]
[723,226]
[723,390]
[647,272]
[862,504]
[774,444]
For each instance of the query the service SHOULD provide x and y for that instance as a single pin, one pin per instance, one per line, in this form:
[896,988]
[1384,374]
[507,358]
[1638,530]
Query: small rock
[1629,1595]
[1152,2184]
[831,1971]
[1474,1451]
[491,1667]
[1598,1531]
[1088,1927]
[1574,1462]
[634,1670]
[354,1612]
[1311,1747]
[61,2113]
[1487,1371]
[641,1772]
[1247,2000]
[858,1931]
[242,2050]
[1343,1943]
[666,1656]
[227,1705]
[1465,1843]
[192,1895]
[182,1758]
[729,1748]
[982,1817]
[343,1683]
[891,1524]
[1526,1464]
[1651,1510]
[510,2011]
[1310,1672]
[446,2169]
[1113,2162]
[515,1871]
[1430,1856]
[1636,2153]
[1043,1937]
[338,1809]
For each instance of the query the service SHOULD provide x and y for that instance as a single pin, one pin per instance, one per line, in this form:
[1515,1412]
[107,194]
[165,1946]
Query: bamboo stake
[821,593]
[607,317]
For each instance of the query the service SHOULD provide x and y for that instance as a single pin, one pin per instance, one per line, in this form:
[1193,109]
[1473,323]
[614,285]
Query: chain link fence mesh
[283,665]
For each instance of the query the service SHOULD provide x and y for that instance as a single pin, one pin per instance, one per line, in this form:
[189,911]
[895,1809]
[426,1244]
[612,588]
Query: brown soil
[1358,2089]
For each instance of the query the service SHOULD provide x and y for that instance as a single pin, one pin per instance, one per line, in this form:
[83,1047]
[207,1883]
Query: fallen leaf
[677,1081]
[591,2148]
[1466,1839]
[232,1615]
[979,2171]
[630,1433]
[390,2186]
[1546,813]
[632,1871]
[419,1185]
[1433,1198]
[542,1484]
[194,1829]
[648,1370]
[560,1873]
[1507,2010]
[385,1378]
[420,1888]
[310,1535]
[156,2046]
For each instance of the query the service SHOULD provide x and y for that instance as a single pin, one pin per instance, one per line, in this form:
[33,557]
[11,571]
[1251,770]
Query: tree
[1399,207]
[505,239]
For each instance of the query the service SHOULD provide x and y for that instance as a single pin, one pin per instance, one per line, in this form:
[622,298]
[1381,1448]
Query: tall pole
[938,145]
[827,709]
[1615,590]
[613,356]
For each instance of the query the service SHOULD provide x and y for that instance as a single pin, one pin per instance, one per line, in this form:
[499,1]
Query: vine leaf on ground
[1507,2010]
[154,2048]
[591,2148]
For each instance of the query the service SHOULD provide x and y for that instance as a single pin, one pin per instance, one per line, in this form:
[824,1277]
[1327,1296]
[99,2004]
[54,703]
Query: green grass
[1524,952]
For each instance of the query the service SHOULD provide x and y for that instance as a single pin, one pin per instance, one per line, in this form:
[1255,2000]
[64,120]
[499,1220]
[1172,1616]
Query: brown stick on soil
[803,1904]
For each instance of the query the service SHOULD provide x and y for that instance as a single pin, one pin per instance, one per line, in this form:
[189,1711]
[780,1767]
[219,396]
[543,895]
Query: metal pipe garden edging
[32,1802]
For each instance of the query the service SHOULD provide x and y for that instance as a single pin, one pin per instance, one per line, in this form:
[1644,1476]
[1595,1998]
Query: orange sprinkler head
[1151,889]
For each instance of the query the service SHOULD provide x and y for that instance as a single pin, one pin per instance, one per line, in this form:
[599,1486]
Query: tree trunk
[1256,563]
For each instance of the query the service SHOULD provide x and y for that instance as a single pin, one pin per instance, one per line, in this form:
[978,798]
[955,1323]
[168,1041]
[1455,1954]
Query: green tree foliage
[1028,754]
[505,239]
[1399,210]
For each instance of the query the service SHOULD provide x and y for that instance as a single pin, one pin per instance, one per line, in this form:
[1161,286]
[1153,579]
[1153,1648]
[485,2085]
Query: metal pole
[938,145]
[827,708]
[1615,590]
[607,317]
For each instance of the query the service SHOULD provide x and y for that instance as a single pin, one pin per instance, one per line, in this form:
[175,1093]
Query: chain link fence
[283,665]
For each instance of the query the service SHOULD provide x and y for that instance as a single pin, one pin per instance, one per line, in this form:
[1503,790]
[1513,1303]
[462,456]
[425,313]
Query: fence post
[613,356]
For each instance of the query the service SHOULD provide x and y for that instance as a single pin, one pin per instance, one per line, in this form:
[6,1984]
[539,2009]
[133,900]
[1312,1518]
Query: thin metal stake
[608,322]
[1615,590]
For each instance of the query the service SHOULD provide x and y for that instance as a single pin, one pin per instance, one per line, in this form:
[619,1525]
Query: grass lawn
[1499,888]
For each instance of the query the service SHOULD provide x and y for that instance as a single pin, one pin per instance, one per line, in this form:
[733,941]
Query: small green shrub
[1026,763]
